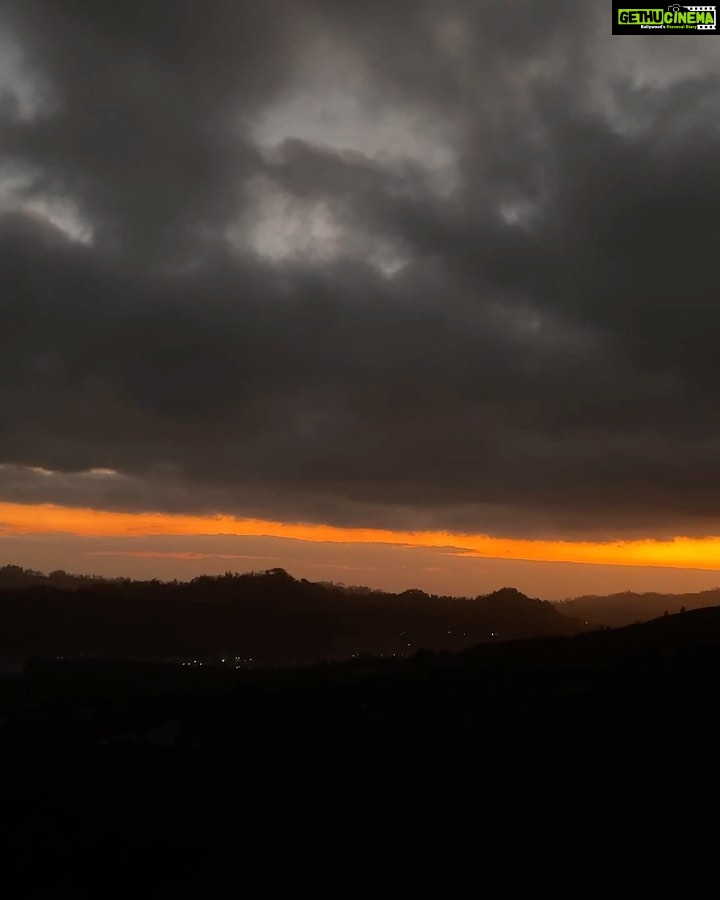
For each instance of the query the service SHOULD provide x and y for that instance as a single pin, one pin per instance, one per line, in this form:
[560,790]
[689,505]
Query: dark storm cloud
[538,359]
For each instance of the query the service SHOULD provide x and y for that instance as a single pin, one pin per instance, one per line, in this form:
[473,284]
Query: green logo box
[670,19]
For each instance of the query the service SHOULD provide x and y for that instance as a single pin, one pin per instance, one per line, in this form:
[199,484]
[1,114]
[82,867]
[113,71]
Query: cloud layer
[408,265]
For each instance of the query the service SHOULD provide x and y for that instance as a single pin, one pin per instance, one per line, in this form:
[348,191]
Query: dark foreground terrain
[148,773]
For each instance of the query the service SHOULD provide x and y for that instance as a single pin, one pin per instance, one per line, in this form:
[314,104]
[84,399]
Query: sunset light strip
[681,552]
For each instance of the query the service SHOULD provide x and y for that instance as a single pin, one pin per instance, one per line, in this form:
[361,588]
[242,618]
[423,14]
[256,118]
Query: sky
[406,294]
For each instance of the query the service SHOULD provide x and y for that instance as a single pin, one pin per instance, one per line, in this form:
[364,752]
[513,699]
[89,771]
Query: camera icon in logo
[675,7]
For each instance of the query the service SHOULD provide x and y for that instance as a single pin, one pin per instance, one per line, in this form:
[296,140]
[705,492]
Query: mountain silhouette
[258,618]
[626,608]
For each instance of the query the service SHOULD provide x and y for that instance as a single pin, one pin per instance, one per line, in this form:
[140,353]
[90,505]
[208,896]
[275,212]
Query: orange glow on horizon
[680,552]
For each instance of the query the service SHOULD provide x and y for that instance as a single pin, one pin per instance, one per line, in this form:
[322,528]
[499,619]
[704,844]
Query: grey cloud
[540,361]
